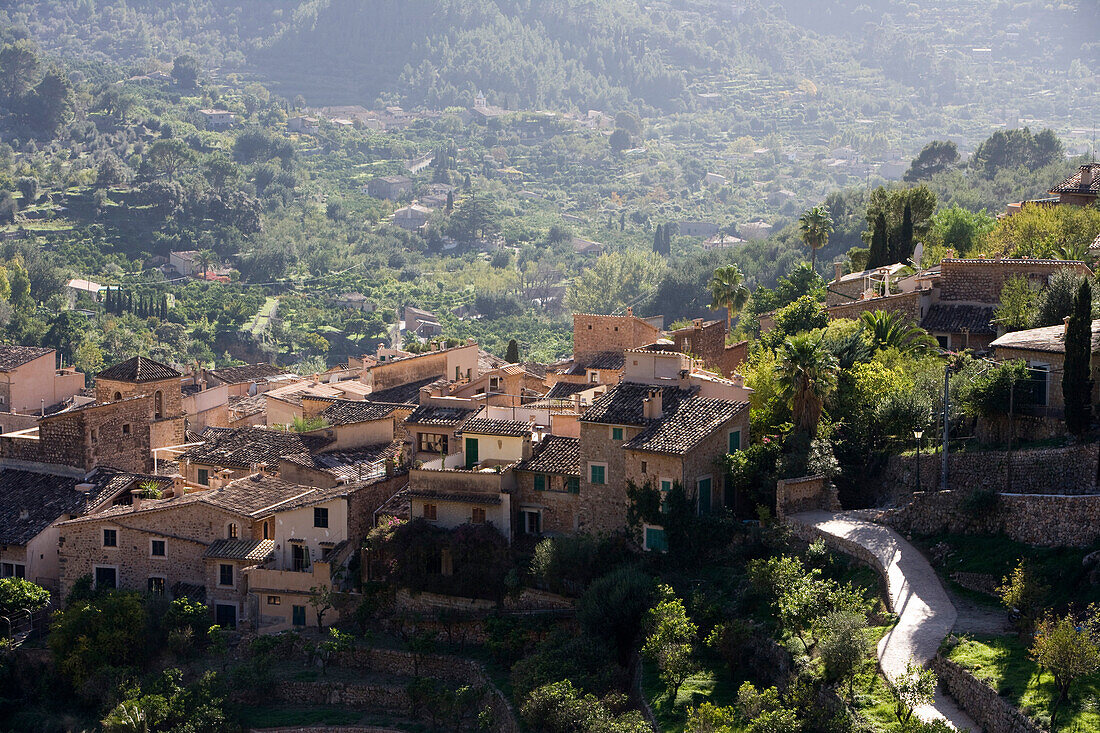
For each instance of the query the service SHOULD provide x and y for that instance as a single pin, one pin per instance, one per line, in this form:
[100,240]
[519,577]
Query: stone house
[412,217]
[232,453]
[596,334]
[458,363]
[392,188]
[33,504]
[30,381]
[144,376]
[303,124]
[336,468]
[1080,189]
[79,439]
[435,429]
[247,379]
[1044,351]
[349,424]
[204,405]
[546,498]
[196,544]
[706,341]
[185,263]
[218,119]
[510,385]
[660,435]
[353,301]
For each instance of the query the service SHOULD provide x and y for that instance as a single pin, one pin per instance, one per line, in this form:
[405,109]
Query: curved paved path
[925,613]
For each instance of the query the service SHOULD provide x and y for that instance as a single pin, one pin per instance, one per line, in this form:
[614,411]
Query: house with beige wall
[457,363]
[1044,352]
[31,381]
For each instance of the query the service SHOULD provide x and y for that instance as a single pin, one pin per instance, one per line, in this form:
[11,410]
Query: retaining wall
[981,702]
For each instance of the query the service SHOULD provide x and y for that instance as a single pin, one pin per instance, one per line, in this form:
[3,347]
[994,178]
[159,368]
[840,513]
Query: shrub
[17,594]
[844,646]
[670,641]
[560,708]
[1023,594]
[108,631]
[586,661]
[613,606]
[184,613]
[1068,651]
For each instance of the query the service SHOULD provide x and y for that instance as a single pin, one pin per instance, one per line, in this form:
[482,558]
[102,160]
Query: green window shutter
[655,540]
[735,441]
[573,485]
[599,474]
[540,482]
[616,433]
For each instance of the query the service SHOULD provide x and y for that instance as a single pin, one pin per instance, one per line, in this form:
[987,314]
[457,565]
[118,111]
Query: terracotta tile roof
[535,368]
[556,454]
[403,393]
[565,390]
[360,465]
[943,318]
[350,412]
[139,369]
[454,496]
[246,373]
[16,356]
[599,360]
[624,404]
[30,502]
[250,550]
[243,407]
[441,416]
[1073,183]
[256,495]
[1051,339]
[680,430]
[486,426]
[250,446]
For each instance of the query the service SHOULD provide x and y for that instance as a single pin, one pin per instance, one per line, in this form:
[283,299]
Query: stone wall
[1068,470]
[981,281]
[1050,520]
[988,709]
[707,341]
[594,333]
[795,495]
[906,304]
[558,506]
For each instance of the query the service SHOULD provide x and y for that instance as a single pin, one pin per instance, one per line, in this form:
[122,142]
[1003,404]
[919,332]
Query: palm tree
[816,226]
[727,289]
[807,376]
[206,258]
[890,330]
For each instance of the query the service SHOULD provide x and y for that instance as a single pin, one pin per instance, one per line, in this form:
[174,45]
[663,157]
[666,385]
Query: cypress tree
[512,354]
[879,251]
[1076,382]
[107,300]
[657,239]
[905,236]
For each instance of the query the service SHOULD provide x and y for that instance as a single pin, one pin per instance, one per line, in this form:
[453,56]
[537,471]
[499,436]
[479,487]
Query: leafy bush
[560,708]
[18,594]
[613,606]
[479,558]
[108,631]
[585,660]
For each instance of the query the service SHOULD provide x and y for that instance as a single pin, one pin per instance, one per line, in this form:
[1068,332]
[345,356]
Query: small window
[655,540]
[118,396]
[573,484]
[531,521]
[106,578]
[645,467]
[95,435]
[156,586]
[540,482]
[594,377]
[477,516]
[320,517]
[110,538]
[204,476]
[598,474]
[735,441]
[13,570]
[494,384]
[274,600]
[158,405]
[616,433]
[429,512]
[232,531]
[158,548]
[298,615]
[225,574]
[432,443]
[125,428]
[267,530]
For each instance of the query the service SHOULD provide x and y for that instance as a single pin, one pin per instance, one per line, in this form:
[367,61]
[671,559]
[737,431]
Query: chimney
[652,406]
[135,498]
[697,323]
[629,312]
[839,267]
[1065,326]
[389,467]
[1086,176]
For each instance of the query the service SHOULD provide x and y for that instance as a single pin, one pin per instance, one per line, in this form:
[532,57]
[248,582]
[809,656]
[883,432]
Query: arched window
[232,531]
[118,396]
[158,405]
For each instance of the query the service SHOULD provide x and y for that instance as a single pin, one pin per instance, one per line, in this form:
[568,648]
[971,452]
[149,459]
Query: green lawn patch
[1003,662]
[711,684]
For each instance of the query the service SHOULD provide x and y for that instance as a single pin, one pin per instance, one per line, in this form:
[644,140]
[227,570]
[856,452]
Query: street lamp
[918,434]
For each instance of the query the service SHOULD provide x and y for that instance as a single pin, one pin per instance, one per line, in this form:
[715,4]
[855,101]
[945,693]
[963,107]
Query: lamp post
[918,434]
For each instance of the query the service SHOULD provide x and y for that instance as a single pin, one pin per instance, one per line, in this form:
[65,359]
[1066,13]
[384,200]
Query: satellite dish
[918,254]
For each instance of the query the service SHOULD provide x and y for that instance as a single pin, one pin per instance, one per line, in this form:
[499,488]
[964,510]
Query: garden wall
[803,494]
[1051,520]
[1066,470]
[981,702]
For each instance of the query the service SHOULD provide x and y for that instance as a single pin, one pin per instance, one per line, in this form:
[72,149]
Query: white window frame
[526,510]
[103,540]
[645,532]
[158,539]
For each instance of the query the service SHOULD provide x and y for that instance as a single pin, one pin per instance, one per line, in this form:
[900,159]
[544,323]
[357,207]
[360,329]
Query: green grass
[1003,662]
[1058,567]
[711,684]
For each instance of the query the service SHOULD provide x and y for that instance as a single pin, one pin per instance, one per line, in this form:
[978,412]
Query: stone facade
[707,342]
[988,709]
[906,304]
[560,509]
[166,403]
[593,334]
[116,434]
[187,531]
[981,281]
[1067,470]
[803,494]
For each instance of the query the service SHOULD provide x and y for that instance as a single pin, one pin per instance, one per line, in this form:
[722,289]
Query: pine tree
[512,354]
[879,251]
[1076,383]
